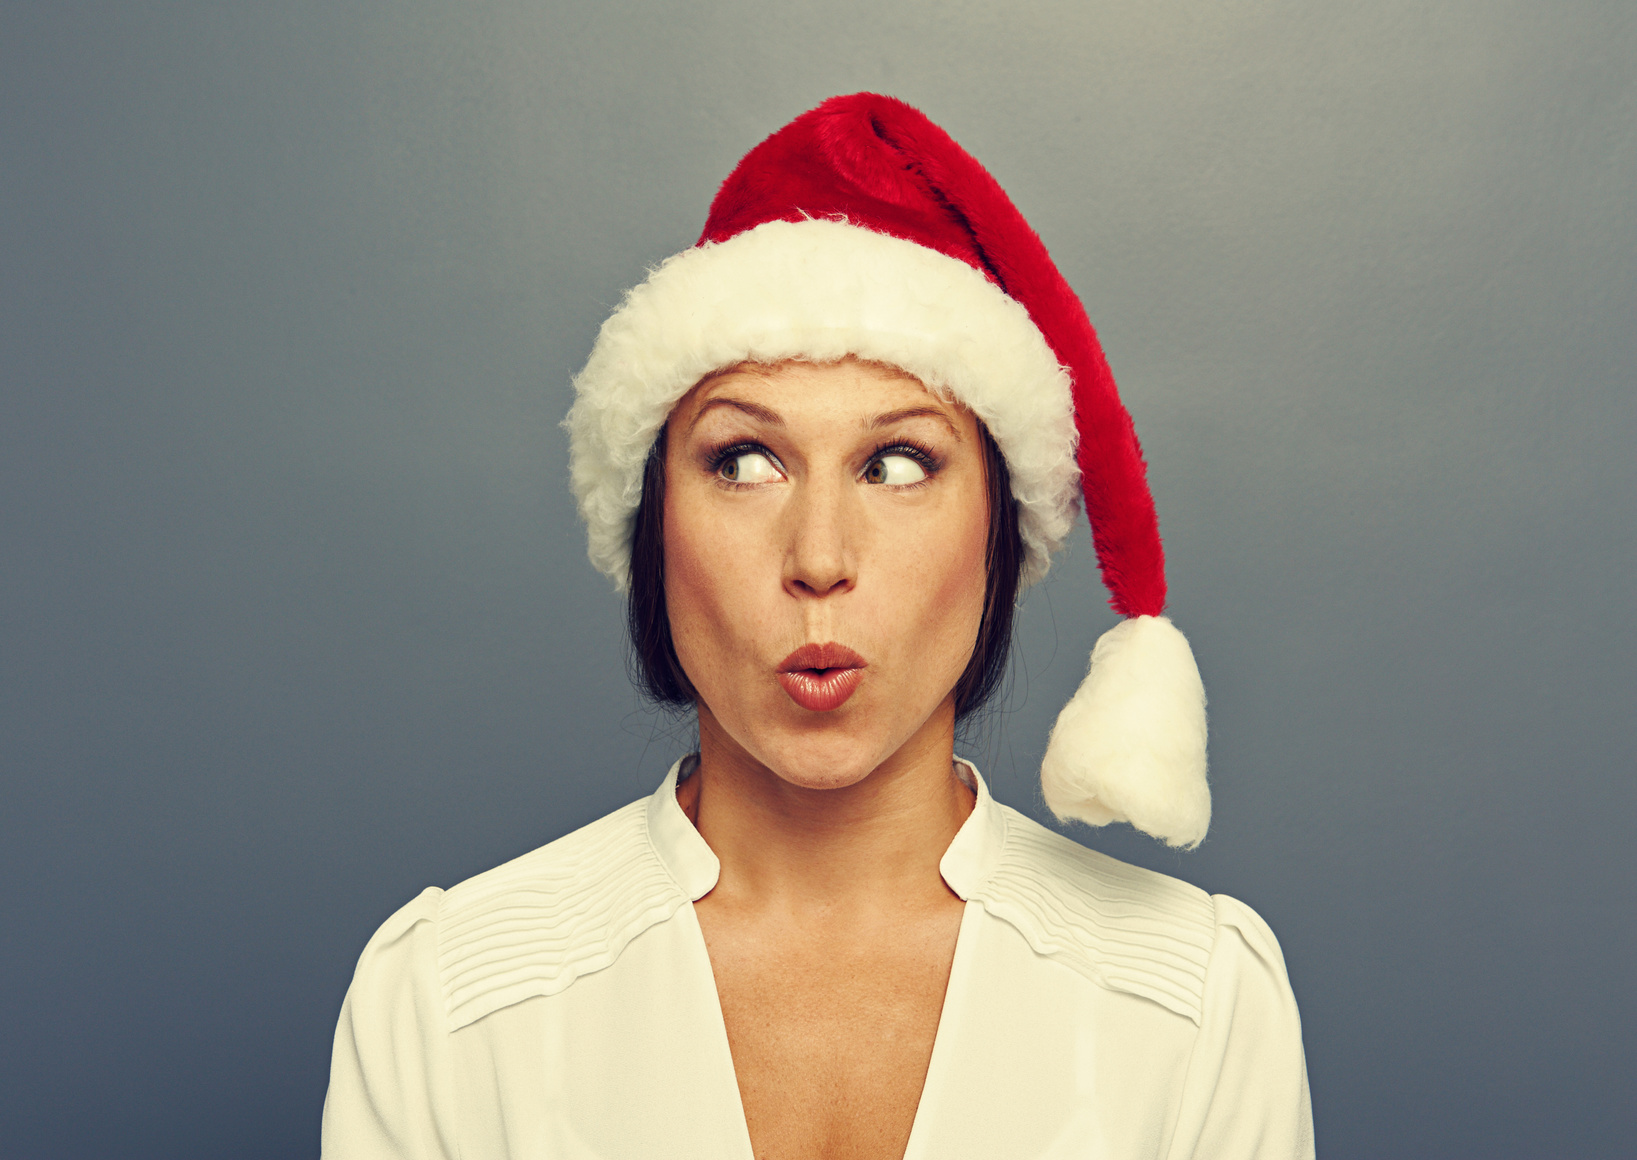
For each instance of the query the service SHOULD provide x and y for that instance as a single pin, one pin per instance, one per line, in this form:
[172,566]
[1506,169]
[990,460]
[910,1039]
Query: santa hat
[863,229]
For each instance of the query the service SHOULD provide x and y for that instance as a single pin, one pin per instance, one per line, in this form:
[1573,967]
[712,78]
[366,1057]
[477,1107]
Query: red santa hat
[863,229]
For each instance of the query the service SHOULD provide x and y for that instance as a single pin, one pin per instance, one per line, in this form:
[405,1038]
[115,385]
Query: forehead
[849,386]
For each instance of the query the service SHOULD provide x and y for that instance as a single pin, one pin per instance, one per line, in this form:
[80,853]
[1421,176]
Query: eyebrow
[891,417]
[755,411]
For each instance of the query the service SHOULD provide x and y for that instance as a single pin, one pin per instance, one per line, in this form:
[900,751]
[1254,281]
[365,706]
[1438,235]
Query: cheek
[963,584]
[708,569]
[945,589]
[693,587]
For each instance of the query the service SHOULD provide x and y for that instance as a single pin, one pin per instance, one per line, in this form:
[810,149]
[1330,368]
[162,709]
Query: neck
[796,848]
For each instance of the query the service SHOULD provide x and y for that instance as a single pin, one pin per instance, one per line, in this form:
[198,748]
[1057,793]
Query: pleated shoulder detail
[533,926]
[1122,927]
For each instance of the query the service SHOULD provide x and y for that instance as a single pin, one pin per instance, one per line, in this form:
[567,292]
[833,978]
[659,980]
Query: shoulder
[532,926]
[1121,926]
[400,956]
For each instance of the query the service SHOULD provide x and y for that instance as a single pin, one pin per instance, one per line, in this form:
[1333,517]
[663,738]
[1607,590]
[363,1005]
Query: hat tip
[1130,744]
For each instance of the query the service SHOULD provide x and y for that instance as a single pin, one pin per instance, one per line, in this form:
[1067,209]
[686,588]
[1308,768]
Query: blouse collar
[972,854]
[967,862]
[691,862]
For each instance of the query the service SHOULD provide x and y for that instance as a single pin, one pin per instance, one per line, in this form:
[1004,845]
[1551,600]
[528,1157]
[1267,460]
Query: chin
[822,766]
[831,751]
[810,767]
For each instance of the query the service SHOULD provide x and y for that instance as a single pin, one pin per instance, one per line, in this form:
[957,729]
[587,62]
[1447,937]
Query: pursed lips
[821,677]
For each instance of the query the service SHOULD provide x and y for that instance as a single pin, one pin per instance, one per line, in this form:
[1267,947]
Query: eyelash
[734,450]
[930,463]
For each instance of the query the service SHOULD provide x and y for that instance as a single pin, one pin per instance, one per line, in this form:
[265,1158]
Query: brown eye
[730,469]
[894,469]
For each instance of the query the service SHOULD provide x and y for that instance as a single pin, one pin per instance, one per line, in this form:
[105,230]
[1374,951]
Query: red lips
[820,677]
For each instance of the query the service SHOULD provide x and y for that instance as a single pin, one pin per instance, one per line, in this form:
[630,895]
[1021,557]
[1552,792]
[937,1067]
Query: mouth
[820,677]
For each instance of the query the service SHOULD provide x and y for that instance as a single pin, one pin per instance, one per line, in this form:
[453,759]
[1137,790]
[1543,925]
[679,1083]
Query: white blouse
[563,1006]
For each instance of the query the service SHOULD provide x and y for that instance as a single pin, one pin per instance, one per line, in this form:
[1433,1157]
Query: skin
[830,930]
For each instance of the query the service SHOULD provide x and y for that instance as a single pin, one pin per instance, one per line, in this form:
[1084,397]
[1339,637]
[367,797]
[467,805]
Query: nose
[819,557]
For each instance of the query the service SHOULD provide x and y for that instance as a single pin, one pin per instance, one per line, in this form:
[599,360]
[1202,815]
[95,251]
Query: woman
[822,451]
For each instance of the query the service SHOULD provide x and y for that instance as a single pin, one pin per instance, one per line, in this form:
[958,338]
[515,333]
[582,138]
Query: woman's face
[824,536]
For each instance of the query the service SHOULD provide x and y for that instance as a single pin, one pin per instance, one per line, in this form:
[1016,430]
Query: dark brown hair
[654,665]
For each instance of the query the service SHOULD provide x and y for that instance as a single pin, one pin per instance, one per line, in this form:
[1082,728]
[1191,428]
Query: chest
[636,1060]
[832,1030]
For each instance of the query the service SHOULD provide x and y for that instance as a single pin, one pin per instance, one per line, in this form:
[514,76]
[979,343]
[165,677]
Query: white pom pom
[1130,745]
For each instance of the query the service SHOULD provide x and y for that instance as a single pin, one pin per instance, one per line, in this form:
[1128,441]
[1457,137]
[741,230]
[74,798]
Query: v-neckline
[965,865]
[937,1063]
[954,1002]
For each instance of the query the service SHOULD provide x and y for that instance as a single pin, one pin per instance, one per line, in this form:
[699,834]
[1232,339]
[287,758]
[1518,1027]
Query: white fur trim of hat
[819,290]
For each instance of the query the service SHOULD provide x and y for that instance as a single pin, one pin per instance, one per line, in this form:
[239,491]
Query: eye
[748,467]
[894,469]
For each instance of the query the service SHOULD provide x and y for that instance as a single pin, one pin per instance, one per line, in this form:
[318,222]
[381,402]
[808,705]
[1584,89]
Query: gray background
[296,618]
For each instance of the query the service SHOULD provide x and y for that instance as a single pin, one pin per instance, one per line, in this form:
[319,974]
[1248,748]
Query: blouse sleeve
[390,1095]
[1246,1090]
